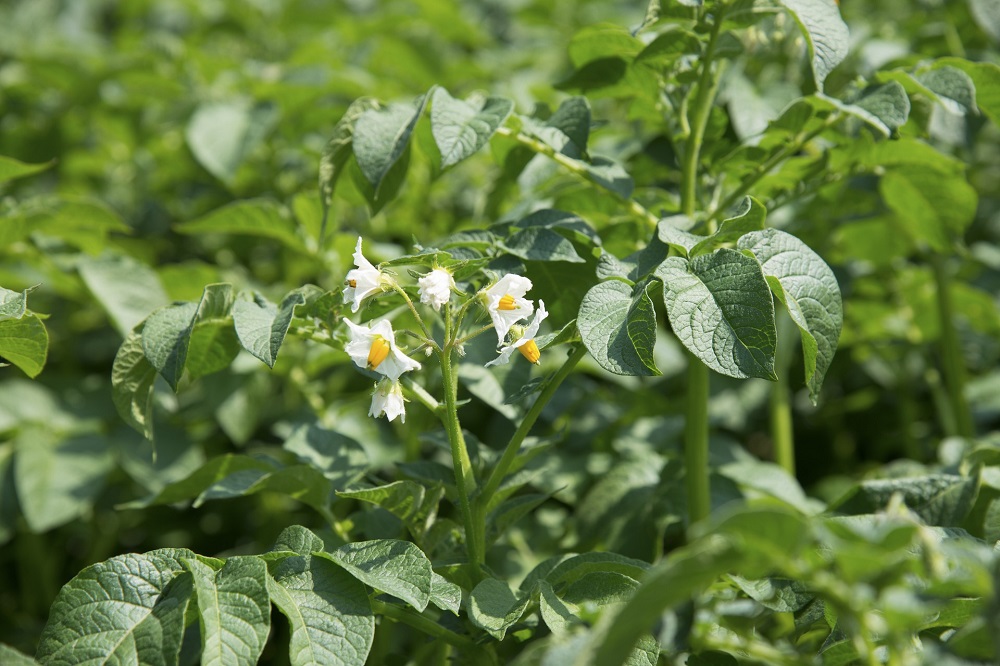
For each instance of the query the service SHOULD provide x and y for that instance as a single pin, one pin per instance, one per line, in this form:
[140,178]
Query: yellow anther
[529,350]
[378,353]
[507,303]
[353,284]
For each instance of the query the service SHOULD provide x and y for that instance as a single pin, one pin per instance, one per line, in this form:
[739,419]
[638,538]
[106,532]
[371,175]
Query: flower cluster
[506,305]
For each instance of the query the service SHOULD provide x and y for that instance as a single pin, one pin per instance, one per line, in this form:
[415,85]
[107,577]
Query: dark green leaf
[261,326]
[340,458]
[939,499]
[986,76]
[381,136]
[298,539]
[253,217]
[462,128]
[619,328]
[720,308]
[396,567]
[494,608]
[337,151]
[540,244]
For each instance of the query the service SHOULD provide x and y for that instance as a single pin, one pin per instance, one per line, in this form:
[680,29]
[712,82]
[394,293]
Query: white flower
[526,343]
[374,348]
[506,303]
[363,281]
[388,399]
[435,288]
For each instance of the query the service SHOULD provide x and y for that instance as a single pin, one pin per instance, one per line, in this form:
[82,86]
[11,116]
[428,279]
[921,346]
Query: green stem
[424,624]
[696,441]
[578,167]
[465,478]
[428,338]
[951,351]
[499,472]
[780,405]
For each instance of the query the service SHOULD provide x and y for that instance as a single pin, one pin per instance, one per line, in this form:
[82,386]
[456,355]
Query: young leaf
[619,329]
[825,32]
[24,341]
[381,136]
[494,608]
[396,567]
[165,338]
[803,282]
[132,377]
[297,539]
[720,308]
[252,217]
[119,611]
[749,217]
[327,609]
[460,128]
[234,609]
[11,168]
[261,326]
[445,594]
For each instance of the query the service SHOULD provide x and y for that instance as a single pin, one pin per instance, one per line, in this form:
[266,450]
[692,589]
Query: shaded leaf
[396,567]
[619,328]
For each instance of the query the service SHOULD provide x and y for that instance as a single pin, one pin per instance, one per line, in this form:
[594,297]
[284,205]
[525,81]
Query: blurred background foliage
[155,113]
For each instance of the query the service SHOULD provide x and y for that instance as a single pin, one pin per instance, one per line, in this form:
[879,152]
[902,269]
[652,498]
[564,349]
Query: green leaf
[558,616]
[668,47]
[298,539]
[222,134]
[122,610]
[396,567]
[234,609]
[825,32]
[340,458]
[807,287]
[933,208]
[511,511]
[445,594]
[24,341]
[132,378]
[682,574]
[210,474]
[885,107]
[987,15]
[327,609]
[568,130]
[603,40]
[461,128]
[720,308]
[14,304]
[494,608]
[403,499]
[540,244]
[11,657]
[11,168]
[601,588]
[949,86]
[58,479]
[253,217]
[165,338]
[749,217]
[337,151]
[126,288]
[261,326]
[778,594]
[381,136]
[939,499]
[619,328]
[574,568]
[986,76]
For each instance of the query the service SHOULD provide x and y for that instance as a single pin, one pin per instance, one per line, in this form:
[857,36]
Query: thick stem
[696,441]
[782,435]
[951,351]
[465,478]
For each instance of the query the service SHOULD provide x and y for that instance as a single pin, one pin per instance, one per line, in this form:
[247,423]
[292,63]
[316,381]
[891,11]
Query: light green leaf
[123,610]
[619,328]
[126,288]
[327,609]
[949,86]
[262,326]
[933,208]
[749,217]
[986,76]
[234,609]
[885,107]
[462,128]
[987,15]
[807,287]
[24,342]
[825,33]
[13,304]
[340,458]
[298,539]
[720,308]
[682,574]
[58,479]
[222,134]
[558,616]
[11,657]
[403,499]
[132,377]
[494,608]
[576,567]
[603,40]
[778,594]
[668,47]
[396,567]
[11,168]
[252,217]
[601,588]
[381,136]
[445,594]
